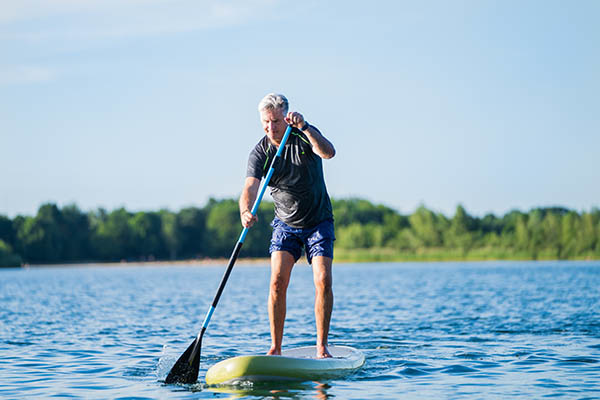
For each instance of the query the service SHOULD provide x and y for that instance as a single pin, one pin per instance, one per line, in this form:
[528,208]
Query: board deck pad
[293,364]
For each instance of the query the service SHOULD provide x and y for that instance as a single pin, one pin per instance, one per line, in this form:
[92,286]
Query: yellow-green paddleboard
[294,364]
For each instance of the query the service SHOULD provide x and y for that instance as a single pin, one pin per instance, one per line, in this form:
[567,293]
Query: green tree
[427,227]
[191,227]
[535,232]
[222,227]
[170,235]
[393,224]
[351,211]
[521,233]
[358,236]
[459,234]
[112,237]
[551,232]
[7,257]
[509,221]
[596,214]
[59,235]
[406,240]
[146,236]
[586,235]
[75,230]
[7,231]
[40,238]
[570,225]
[491,224]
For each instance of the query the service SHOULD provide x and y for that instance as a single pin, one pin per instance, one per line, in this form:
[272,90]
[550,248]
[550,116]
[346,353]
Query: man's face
[273,123]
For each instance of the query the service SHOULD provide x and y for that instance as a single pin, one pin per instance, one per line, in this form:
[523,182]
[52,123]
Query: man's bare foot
[323,352]
[274,352]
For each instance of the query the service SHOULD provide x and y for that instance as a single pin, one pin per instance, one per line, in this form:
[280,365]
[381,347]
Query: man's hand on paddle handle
[320,145]
[295,119]
[247,199]
[248,219]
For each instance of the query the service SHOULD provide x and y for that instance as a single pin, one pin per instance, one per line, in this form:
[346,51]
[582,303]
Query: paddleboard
[293,364]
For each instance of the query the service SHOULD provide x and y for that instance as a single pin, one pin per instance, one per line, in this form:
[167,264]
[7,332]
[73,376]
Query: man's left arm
[320,145]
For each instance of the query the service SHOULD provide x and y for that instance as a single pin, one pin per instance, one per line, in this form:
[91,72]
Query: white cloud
[24,10]
[113,18]
[15,75]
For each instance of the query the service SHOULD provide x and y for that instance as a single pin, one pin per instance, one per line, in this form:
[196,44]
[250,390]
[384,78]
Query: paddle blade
[186,368]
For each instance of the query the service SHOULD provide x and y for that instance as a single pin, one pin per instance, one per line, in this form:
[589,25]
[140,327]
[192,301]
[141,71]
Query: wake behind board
[294,364]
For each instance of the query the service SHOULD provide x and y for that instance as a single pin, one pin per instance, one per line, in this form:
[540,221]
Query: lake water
[428,330]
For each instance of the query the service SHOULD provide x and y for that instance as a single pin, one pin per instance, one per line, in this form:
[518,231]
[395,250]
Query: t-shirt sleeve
[256,162]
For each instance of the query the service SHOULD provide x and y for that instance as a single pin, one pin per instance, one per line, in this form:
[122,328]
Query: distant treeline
[364,231]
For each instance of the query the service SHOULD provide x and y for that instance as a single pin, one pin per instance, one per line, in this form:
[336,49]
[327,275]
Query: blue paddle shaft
[240,242]
[265,183]
[187,366]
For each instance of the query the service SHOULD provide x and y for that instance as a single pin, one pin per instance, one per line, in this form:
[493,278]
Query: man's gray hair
[274,101]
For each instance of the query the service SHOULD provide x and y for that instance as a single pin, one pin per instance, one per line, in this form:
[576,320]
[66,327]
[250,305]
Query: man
[303,214]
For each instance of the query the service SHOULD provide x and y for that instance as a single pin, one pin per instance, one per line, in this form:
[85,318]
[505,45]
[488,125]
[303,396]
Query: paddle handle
[240,242]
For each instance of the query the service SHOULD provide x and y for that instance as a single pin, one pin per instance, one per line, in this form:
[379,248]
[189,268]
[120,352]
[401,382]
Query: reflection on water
[431,330]
[275,390]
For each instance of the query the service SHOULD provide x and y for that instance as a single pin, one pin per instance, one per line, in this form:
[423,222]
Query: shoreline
[251,262]
[206,262]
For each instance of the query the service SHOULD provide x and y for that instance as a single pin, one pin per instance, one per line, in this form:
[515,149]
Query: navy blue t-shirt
[297,185]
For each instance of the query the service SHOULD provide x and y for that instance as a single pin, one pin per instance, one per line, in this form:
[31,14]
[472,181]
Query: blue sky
[152,104]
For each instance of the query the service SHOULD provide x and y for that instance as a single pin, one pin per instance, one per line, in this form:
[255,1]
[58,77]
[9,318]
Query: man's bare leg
[282,263]
[323,279]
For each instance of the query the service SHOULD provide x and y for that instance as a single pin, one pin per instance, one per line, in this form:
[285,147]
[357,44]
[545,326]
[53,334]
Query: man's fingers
[248,220]
[295,119]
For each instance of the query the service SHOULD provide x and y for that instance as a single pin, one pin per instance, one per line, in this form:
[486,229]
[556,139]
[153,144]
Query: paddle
[186,368]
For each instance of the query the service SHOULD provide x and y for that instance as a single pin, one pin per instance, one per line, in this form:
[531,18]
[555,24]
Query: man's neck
[275,142]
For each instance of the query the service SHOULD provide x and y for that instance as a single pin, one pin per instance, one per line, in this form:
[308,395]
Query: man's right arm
[247,200]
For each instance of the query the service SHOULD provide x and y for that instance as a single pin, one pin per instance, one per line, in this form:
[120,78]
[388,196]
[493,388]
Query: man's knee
[322,276]
[323,283]
[323,287]
[278,285]
[282,263]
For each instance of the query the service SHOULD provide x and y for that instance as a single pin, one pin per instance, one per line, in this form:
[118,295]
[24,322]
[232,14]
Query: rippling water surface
[431,330]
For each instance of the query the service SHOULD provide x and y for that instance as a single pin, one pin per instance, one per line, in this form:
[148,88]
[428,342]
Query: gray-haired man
[303,214]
